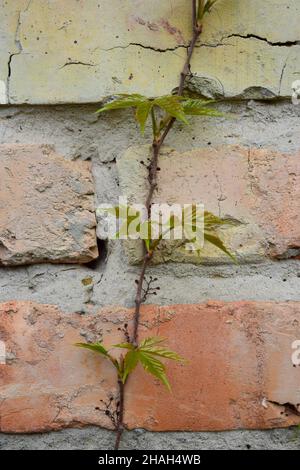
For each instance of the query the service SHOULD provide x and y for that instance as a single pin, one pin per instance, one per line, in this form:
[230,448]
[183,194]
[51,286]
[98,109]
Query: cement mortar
[93,438]
[78,133]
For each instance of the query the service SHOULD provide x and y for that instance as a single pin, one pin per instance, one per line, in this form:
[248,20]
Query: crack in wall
[19,51]
[86,64]
[142,46]
[146,47]
[218,44]
[288,407]
[260,38]
[282,74]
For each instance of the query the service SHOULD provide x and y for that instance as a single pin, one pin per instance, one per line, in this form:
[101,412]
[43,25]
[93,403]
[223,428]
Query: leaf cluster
[148,353]
[204,6]
[172,106]
[204,227]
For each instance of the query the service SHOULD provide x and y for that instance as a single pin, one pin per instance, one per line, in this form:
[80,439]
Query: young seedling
[163,111]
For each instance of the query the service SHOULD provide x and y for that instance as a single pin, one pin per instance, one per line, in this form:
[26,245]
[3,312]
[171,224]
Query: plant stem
[152,178]
[120,418]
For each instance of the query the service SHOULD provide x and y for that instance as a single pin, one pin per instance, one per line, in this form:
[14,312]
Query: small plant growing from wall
[163,111]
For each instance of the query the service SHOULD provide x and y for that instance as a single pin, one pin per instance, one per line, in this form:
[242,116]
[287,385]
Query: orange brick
[239,375]
[260,188]
[46,207]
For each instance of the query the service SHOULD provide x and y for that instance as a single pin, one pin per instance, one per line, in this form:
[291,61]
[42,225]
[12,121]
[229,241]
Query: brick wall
[60,284]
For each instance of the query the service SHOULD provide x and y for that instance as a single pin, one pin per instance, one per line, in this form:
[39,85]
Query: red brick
[260,188]
[239,374]
[46,207]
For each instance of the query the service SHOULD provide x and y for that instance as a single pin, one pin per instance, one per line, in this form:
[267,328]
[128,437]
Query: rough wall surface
[51,216]
[101,140]
[241,53]
[50,384]
[259,189]
[249,167]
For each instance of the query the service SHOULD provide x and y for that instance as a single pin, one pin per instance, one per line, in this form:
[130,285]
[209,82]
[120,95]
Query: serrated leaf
[124,345]
[154,366]
[195,103]
[196,107]
[216,241]
[100,349]
[210,112]
[142,113]
[209,5]
[96,347]
[212,221]
[146,354]
[164,352]
[151,341]
[130,362]
[172,104]
[152,345]
[204,6]
[122,101]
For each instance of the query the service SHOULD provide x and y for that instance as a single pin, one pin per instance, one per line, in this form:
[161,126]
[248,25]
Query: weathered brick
[51,384]
[46,207]
[239,375]
[258,187]
[142,50]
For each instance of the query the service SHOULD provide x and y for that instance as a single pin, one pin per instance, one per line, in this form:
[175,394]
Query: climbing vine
[163,111]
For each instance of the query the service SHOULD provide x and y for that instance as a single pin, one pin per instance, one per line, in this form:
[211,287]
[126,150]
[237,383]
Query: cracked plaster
[251,59]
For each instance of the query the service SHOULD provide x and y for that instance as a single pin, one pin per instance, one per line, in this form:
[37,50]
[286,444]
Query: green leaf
[96,347]
[124,345]
[151,341]
[146,354]
[212,221]
[164,352]
[195,107]
[100,349]
[153,346]
[154,366]
[122,101]
[130,362]
[172,105]
[142,113]
[216,241]
[148,244]
[205,6]
[195,103]
[208,6]
[125,214]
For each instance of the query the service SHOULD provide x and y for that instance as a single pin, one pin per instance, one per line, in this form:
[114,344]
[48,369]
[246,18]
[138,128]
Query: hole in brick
[102,248]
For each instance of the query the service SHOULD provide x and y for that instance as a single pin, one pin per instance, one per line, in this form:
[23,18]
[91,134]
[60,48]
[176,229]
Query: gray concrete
[77,133]
[93,438]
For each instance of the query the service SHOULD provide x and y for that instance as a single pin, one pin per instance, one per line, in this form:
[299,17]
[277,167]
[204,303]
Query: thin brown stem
[120,416]
[156,145]
[120,409]
[152,178]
